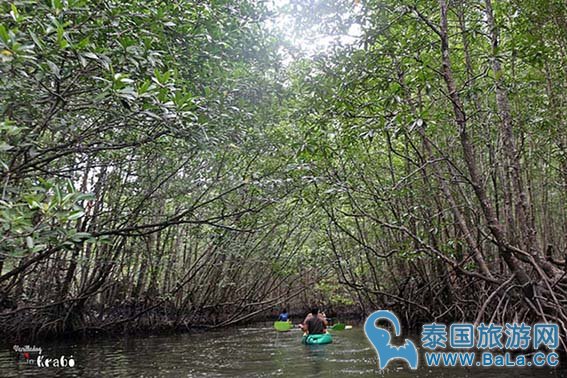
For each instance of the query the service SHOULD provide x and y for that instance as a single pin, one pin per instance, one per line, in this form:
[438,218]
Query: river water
[256,351]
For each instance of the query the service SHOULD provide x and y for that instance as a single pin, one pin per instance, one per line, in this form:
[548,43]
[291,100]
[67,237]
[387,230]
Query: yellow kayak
[283,326]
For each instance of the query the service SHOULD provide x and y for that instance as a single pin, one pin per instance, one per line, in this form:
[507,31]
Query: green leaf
[4,36]
[91,55]
[76,215]
[79,236]
[57,4]
[54,69]
[5,147]
[14,13]
[29,242]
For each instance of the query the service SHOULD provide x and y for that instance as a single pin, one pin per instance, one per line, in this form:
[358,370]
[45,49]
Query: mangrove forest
[167,166]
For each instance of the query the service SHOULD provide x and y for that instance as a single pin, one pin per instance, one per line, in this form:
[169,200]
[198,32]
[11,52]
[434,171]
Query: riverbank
[125,322]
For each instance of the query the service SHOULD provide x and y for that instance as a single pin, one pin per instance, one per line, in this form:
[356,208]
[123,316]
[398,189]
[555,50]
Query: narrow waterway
[256,351]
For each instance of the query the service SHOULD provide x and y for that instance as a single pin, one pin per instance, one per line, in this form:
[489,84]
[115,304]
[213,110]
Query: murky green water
[241,352]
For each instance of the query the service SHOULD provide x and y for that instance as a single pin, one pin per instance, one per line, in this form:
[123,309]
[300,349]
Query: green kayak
[324,338]
[338,327]
[283,326]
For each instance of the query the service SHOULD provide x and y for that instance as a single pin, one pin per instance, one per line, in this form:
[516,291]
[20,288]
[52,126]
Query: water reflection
[316,356]
[239,352]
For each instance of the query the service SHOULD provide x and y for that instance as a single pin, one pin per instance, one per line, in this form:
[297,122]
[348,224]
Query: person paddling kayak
[284,317]
[315,323]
